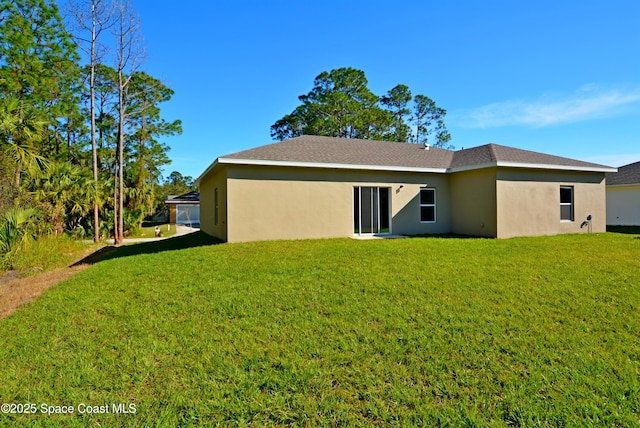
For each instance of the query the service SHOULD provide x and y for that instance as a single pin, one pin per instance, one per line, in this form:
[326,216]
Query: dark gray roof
[341,151]
[313,149]
[191,197]
[628,174]
[492,153]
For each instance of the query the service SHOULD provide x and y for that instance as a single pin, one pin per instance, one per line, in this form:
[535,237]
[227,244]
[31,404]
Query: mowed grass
[410,332]
[148,230]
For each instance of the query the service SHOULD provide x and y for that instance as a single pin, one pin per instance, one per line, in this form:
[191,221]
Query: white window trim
[434,205]
[570,204]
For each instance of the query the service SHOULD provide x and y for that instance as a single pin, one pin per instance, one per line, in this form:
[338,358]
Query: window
[427,205]
[215,201]
[566,203]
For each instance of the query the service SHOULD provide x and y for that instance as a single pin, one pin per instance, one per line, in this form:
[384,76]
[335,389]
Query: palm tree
[65,190]
[17,230]
[20,128]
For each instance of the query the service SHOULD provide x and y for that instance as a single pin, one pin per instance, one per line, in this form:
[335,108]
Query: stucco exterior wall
[528,202]
[207,186]
[269,203]
[623,205]
[272,203]
[473,209]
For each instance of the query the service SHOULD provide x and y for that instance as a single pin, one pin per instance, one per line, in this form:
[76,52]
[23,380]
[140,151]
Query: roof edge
[229,161]
[206,171]
[624,185]
[603,168]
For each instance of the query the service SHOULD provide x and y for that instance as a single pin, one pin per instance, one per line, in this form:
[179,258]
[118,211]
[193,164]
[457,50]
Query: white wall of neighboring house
[623,205]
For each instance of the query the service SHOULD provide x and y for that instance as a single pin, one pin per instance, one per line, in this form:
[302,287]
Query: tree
[145,126]
[397,102]
[20,128]
[39,62]
[92,18]
[128,55]
[340,105]
[106,83]
[17,230]
[429,120]
[38,81]
[66,193]
[174,184]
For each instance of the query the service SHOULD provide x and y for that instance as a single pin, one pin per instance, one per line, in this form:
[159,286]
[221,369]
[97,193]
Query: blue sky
[560,77]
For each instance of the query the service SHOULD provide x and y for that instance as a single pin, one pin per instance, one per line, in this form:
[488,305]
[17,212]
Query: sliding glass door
[371,209]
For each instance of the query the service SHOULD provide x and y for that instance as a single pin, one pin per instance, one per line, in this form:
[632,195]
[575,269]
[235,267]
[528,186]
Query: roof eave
[624,185]
[262,162]
[602,169]
[206,171]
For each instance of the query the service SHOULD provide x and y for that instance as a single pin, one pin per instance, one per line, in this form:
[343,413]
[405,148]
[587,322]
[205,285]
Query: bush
[18,228]
[49,252]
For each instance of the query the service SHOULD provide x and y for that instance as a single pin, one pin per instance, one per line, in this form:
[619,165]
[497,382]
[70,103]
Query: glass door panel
[371,210]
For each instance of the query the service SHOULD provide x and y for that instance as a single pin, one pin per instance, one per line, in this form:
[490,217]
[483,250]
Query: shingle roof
[492,153]
[628,174]
[190,197]
[329,150]
[369,154]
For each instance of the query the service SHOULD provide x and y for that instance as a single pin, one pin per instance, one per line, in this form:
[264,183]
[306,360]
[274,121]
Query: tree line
[340,104]
[81,127]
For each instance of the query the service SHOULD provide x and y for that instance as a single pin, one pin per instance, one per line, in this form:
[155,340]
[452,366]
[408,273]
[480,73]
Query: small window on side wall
[215,202]
[427,205]
[566,203]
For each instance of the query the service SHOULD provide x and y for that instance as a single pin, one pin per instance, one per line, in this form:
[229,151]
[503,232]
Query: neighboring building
[184,209]
[323,187]
[623,196]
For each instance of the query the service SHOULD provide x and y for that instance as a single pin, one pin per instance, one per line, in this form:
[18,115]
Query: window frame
[570,204]
[434,205]
[216,215]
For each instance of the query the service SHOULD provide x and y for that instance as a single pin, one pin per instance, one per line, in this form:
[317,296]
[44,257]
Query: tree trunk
[94,151]
[120,180]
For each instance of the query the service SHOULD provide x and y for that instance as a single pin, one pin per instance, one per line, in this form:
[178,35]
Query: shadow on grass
[191,240]
[628,230]
[445,236]
[152,223]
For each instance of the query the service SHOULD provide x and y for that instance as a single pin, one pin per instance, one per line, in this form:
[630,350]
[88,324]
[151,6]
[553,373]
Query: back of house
[324,187]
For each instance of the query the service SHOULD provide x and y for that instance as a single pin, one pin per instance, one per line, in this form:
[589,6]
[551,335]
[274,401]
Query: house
[184,209]
[324,187]
[623,196]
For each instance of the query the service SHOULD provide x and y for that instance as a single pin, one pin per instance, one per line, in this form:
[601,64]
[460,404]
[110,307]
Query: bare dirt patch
[23,290]
[15,291]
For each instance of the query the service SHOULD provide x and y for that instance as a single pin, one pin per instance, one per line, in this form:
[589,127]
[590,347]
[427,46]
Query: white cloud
[589,102]
[617,160]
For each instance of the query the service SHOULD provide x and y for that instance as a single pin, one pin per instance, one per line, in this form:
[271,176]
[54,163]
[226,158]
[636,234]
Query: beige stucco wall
[473,210]
[207,186]
[528,202]
[623,205]
[269,203]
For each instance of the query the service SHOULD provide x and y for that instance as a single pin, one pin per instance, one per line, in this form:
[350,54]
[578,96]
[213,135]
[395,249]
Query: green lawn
[148,230]
[410,332]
